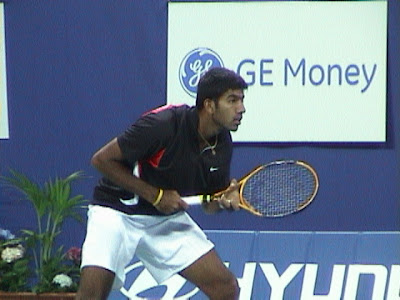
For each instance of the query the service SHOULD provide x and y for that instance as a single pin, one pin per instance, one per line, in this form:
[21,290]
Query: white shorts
[165,244]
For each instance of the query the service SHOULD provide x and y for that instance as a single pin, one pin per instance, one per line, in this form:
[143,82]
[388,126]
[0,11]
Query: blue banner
[291,265]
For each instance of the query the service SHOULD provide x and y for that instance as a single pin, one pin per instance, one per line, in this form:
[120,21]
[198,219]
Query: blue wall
[79,72]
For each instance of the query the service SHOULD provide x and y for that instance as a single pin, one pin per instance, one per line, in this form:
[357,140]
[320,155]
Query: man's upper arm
[110,151]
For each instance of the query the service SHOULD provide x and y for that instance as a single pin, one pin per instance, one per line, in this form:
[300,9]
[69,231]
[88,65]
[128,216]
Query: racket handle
[196,200]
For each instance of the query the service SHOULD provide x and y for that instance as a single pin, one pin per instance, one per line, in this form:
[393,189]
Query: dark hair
[215,82]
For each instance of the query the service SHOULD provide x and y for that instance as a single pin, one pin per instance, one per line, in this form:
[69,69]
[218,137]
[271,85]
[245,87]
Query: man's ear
[209,105]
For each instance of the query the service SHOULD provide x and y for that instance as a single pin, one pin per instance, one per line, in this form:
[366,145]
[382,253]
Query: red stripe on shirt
[161,108]
[155,160]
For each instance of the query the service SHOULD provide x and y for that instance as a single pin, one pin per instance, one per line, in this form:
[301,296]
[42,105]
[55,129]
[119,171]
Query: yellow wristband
[158,198]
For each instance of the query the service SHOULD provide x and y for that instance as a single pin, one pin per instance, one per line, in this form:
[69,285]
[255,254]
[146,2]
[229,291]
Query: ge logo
[194,65]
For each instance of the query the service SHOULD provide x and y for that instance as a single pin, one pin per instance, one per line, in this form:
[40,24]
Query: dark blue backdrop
[79,72]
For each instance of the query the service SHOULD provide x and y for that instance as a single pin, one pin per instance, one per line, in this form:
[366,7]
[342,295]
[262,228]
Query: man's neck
[206,126]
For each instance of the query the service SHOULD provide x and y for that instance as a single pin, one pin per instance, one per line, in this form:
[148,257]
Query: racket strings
[278,189]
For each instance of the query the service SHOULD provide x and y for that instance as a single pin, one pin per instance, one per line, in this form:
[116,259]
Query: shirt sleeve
[146,136]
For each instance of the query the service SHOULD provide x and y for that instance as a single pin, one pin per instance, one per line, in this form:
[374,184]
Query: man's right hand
[171,202]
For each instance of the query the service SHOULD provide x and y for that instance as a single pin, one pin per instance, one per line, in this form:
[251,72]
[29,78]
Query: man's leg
[211,276]
[95,283]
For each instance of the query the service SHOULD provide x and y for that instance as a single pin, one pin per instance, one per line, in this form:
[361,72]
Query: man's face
[229,110]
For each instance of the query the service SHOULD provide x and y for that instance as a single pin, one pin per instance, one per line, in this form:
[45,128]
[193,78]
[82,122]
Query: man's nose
[241,108]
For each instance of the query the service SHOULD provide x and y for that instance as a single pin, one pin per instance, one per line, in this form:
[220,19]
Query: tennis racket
[276,189]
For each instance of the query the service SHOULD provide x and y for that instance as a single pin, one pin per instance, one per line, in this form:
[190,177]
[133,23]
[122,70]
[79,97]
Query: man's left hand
[230,199]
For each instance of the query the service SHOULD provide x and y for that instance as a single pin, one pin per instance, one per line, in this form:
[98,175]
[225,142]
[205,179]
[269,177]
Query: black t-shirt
[162,148]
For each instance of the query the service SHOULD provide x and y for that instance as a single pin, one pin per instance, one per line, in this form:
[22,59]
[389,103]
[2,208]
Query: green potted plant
[55,271]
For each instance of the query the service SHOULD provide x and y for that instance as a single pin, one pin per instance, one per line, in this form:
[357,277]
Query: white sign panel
[3,81]
[316,70]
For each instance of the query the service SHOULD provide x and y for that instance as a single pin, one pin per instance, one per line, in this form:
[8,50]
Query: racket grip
[196,200]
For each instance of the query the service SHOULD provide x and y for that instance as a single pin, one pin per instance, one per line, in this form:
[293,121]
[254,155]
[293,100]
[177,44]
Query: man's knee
[231,290]
[95,284]
[226,288]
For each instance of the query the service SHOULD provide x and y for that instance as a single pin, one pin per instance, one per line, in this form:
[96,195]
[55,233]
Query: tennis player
[137,209]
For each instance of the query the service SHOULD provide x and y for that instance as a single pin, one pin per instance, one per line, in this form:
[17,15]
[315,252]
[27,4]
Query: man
[137,208]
